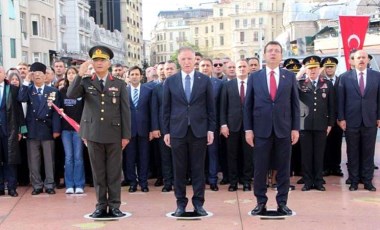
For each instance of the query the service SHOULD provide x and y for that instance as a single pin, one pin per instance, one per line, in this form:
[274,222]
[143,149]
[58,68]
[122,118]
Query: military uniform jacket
[106,116]
[41,119]
[317,107]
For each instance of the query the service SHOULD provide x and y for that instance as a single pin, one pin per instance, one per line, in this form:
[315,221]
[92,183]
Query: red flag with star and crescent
[353,29]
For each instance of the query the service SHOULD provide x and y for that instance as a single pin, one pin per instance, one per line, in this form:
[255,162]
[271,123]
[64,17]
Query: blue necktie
[39,93]
[1,94]
[187,87]
[135,98]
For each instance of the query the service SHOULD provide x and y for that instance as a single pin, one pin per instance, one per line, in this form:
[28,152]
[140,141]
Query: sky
[151,8]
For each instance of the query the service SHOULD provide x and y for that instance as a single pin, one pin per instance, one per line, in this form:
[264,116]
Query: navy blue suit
[361,114]
[137,151]
[42,121]
[272,123]
[157,124]
[188,124]
[213,149]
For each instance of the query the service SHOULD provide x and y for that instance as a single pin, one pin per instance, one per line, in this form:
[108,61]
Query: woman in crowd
[73,145]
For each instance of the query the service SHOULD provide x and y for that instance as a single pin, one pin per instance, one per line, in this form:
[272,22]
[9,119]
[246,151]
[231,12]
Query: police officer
[317,117]
[333,152]
[105,126]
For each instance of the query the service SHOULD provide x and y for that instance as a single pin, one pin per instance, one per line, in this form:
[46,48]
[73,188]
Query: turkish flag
[353,29]
[69,120]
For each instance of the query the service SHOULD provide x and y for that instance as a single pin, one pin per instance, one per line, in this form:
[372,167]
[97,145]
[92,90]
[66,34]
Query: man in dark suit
[206,67]
[157,127]
[43,124]
[105,126]
[359,117]
[137,151]
[189,122]
[333,152]
[272,122]
[317,105]
[231,126]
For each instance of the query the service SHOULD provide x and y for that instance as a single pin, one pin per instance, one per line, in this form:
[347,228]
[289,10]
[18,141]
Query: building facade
[10,39]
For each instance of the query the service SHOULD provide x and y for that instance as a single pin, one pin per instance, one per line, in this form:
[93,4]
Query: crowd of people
[214,121]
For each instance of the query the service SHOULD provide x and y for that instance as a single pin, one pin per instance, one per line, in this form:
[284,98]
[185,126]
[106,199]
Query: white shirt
[276,76]
[1,91]
[42,88]
[364,76]
[133,91]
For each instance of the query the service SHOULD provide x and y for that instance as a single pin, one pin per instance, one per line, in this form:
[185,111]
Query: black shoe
[224,181]
[12,192]
[125,183]
[145,189]
[214,187]
[306,188]
[320,188]
[353,187]
[376,167]
[323,181]
[232,188]
[247,187]
[179,211]
[199,210]
[292,187]
[99,213]
[159,182]
[133,188]
[370,187]
[50,191]
[284,210]
[115,212]
[2,192]
[300,181]
[36,191]
[167,188]
[260,209]
[348,181]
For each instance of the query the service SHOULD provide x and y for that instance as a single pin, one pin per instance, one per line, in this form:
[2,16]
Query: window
[221,26]
[237,23]
[36,57]
[212,42]
[261,6]
[212,29]
[221,40]
[206,42]
[221,12]
[171,47]
[206,29]
[23,22]
[43,26]
[241,36]
[11,9]
[13,48]
[255,36]
[261,21]
[196,42]
[245,23]
[253,22]
[236,9]
[196,30]
[171,36]
[35,29]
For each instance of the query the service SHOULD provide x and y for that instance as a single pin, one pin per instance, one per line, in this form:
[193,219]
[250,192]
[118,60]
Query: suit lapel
[95,82]
[194,89]
[354,81]
[281,79]
[264,83]
[180,86]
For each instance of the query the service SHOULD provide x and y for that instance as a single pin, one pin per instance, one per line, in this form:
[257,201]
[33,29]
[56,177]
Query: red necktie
[242,94]
[273,86]
[361,83]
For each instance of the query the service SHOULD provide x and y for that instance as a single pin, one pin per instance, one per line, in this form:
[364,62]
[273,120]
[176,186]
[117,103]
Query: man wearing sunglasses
[218,69]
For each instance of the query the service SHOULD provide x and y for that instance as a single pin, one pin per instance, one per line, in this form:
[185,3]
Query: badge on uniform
[324,86]
[113,98]
[91,87]
[51,98]
[324,95]
[113,89]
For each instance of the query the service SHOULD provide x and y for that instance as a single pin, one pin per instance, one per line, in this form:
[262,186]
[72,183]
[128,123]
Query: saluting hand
[84,67]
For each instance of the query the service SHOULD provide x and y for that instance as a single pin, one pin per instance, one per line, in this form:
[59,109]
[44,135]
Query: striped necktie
[135,97]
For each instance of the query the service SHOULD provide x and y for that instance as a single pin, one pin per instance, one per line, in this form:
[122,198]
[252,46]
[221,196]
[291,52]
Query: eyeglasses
[218,64]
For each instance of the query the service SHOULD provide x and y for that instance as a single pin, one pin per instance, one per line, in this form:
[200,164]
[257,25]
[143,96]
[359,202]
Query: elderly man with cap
[105,126]
[317,117]
[43,124]
[333,152]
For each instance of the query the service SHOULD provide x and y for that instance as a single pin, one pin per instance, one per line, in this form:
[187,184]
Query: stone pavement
[337,208]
